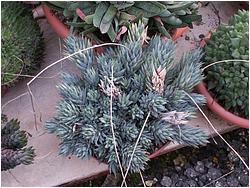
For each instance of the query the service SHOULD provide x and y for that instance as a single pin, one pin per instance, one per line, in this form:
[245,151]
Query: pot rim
[63,31]
[216,107]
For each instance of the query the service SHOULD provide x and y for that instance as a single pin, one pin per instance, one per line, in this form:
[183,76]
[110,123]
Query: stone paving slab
[49,169]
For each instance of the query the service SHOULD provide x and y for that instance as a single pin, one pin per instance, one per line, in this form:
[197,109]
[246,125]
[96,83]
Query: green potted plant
[13,145]
[107,21]
[22,43]
[226,88]
[123,92]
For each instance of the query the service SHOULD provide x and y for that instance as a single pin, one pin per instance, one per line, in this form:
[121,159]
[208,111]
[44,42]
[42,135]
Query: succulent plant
[145,83]
[94,18]
[13,141]
[22,44]
[228,81]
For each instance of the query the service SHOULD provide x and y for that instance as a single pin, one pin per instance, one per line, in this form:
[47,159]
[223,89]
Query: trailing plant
[94,18]
[13,146]
[228,81]
[143,82]
[22,44]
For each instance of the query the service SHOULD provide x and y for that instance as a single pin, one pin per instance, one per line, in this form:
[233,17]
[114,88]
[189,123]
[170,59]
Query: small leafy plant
[144,83]
[228,81]
[95,18]
[13,150]
[22,43]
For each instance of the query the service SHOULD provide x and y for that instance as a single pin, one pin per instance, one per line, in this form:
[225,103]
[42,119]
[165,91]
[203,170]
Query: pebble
[180,160]
[208,164]
[201,36]
[174,178]
[190,172]
[203,178]
[233,157]
[149,183]
[213,173]
[187,37]
[242,166]
[200,183]
[221,183]
[182,178]
[166,181]
[243,179]
[200,167]
[180,184]
[203,167]
[178,168]
[191,183]
[232,181]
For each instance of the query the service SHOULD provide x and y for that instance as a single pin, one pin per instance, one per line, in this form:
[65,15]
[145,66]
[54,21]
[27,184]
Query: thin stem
[217,131]
[32,105]
[142,179]
[137,141]
[19,96]
[21,70]
[29,76]
[79,51]
[112,127]
[15,178]
[42,157]
[224,61]
[60,50]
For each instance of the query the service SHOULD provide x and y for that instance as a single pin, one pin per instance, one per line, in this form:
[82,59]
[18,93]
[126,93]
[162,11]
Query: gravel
[232,181]
[214,165]
[221,183]
[200,167]
[213,173]
[243,179]
[191,173]
[166,181]
[192,183]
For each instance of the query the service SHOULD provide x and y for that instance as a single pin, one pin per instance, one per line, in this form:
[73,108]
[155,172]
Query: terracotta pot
[178,32]
[63,31]
[38,12]
[219,110]
[4,90]
[158,151]
[244,4]
[215,107]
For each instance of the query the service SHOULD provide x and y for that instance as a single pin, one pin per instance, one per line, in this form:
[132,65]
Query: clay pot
[38,12]
[215,107]
[4,89]
[63,31]
[244,4]
[219,110]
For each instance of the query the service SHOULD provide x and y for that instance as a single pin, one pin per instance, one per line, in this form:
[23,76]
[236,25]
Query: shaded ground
[212,165]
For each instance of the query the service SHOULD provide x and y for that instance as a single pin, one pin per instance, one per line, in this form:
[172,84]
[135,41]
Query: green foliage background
[229,81]
[21,41]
